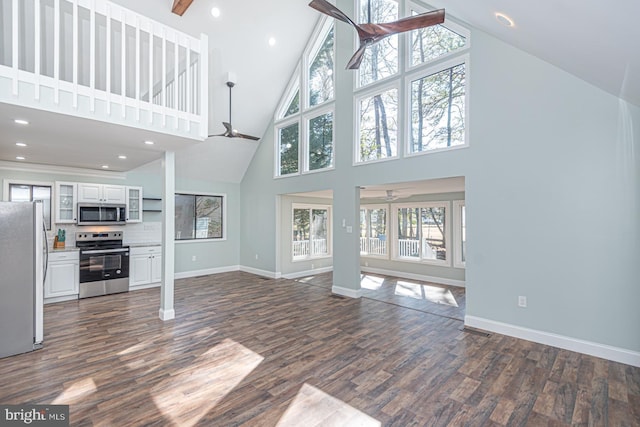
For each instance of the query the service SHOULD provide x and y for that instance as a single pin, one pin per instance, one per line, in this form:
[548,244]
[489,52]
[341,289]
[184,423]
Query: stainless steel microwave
[97,214]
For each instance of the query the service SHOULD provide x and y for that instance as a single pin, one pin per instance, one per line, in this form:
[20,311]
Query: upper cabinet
[65,202]
[134,204]
[101,193]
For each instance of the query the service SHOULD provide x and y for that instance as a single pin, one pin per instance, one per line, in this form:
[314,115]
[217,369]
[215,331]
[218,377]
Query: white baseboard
[414,276]
[346,292]
[60,299]
[206,272]
[166,314]
[604,351]
[258,272]
[148,286]
[308,272]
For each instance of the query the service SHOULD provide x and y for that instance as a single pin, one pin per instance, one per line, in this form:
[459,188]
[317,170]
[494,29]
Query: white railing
[408,248]
[373,246]
[100,52]
[301,248]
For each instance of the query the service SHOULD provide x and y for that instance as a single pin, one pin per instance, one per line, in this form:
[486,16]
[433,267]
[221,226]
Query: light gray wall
[211,254]
[551,194]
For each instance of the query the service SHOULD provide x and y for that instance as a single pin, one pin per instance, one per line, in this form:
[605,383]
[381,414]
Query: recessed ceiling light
[19,158]
[504,19]
[21,122]
[272,41]
[21,144]
[105,166]
[215,12]
[122,157]
[149,142]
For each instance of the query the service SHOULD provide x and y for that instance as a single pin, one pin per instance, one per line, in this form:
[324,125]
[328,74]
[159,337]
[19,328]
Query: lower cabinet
[145,267]
[62,275]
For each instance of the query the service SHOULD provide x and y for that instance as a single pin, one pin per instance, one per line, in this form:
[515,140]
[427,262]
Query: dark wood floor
[434,298]
[250,351]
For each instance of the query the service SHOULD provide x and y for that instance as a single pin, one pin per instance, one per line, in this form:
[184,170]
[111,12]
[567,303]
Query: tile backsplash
[144,232]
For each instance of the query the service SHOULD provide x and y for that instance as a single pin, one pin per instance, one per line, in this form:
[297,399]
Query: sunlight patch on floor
[193,391]
[313,407]
[76,392]
[368,281]
[433,294]
[306,279]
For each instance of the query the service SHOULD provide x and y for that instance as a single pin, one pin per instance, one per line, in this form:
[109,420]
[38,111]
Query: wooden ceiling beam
[180,6]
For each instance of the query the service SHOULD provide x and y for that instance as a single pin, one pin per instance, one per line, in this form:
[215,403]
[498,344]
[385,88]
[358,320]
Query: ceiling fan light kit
[372,33]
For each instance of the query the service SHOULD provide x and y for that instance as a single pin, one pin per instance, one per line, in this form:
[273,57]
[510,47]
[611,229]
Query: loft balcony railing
[97,55]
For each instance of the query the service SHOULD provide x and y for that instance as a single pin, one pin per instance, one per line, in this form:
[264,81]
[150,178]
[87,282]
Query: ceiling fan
[373,33]
[230,132]
[390,196]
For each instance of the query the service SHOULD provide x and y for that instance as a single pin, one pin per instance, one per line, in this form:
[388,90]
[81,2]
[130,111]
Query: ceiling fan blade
[329,9]
[377,32]
[241,135]
[356,59]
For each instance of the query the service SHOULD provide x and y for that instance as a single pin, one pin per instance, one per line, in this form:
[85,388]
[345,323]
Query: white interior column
[168,234]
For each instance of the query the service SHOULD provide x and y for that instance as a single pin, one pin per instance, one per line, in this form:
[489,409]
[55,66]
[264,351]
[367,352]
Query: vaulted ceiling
[597,42]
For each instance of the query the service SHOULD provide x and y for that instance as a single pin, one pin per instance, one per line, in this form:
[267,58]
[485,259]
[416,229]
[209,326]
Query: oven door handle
[105,251]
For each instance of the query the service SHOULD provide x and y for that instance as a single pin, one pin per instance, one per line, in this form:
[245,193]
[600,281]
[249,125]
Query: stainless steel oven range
[104,263]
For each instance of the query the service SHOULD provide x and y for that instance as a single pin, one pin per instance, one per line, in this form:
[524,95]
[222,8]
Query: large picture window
[310,232]
[411,100]
[380,59]
[378,126]
[199,217]
[373,231]
[422,232]
[304,119]
[438,110]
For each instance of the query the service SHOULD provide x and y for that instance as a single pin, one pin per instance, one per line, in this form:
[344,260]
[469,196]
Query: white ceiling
[597,42]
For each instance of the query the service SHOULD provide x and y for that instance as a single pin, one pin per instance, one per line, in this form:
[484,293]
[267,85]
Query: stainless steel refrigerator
[23,260]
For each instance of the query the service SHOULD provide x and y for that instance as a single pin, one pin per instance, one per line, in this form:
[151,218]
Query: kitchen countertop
[65,249]
[143,244]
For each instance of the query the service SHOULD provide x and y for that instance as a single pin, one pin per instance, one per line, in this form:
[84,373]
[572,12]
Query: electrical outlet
[522,301]
[193,258]
[256,256]
[312,267]
[366,263]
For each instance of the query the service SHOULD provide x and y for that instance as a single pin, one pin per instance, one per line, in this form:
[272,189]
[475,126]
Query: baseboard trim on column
[346,292]
[167,314]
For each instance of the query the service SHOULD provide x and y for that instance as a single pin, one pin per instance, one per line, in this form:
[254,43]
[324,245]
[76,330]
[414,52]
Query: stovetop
[106,240]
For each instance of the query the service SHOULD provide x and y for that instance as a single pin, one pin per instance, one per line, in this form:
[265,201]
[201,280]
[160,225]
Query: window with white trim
[380,60]
[304,119]
[373,231]
[423,233]
[311,225]
[20,191]
[199,216]
[377,125]
[459,234]
[416,79]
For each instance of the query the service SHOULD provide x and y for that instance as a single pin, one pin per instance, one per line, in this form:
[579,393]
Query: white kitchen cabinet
[62,275]
[101,193]
[66,197]
[145,267]
[134,204]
